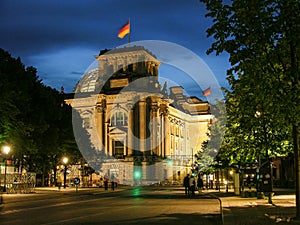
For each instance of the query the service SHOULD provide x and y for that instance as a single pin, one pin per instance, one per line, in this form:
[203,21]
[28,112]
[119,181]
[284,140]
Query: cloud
[60,37]
[76,73]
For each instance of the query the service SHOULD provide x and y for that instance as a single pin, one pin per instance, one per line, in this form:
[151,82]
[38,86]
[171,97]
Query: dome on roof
[88,82]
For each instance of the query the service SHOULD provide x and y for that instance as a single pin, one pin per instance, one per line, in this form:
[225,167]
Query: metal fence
[19,183]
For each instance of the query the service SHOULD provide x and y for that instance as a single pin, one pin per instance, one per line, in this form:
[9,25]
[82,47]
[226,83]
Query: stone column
[99,124]
[148,67]
[110,151]
[159,136]
[156,70]
[105,138]
[154,126]
[142,125]
[165,134]
[130,134]
[162,136]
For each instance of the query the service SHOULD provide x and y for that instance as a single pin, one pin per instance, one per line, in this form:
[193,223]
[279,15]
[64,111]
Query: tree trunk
[43,176]
[297,168]
[55,179]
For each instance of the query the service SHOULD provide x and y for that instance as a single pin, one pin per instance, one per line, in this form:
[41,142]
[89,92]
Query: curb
[221,206]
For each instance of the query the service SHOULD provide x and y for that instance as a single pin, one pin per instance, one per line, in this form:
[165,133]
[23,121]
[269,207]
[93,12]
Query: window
[119,119]
[118,151]
[177,131]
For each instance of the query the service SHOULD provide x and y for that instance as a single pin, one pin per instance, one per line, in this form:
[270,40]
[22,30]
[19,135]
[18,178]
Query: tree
[206,158]
[262,39]
[252,136]
[33,118]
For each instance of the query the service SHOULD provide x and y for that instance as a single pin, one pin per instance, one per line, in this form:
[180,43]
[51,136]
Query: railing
[19,183]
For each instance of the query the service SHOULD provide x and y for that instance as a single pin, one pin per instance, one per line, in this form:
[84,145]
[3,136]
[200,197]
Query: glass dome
[88,82]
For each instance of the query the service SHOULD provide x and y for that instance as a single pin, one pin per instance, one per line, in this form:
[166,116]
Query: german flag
[125,29]
[206,92]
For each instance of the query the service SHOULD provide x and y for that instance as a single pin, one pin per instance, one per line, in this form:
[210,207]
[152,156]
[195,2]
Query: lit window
[118,148]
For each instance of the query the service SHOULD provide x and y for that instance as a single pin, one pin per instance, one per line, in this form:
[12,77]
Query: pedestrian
[112,185]
[249,181]
[105,184]
[192,184]
[100,182]
[186,184]
[59,182]
[59,185]
[199,183]
[116,183]
[211,183]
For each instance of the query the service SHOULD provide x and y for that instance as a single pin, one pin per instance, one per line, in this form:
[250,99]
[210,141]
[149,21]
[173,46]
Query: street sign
[76,181]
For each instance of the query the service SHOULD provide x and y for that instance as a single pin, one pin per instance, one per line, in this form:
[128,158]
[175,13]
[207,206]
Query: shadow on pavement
[138,192]
[259,215]
[170,219]
[221,194]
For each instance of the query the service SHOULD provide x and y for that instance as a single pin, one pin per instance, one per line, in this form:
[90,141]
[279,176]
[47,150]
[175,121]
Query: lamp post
[6,150]
[257,115]
[267,166]
[65,161]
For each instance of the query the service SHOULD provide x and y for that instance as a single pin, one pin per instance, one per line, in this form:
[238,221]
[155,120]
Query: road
[128,206]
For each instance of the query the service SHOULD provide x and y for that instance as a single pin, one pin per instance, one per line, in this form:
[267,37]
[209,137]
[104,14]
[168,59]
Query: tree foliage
[262,39]
[33,118]
[207,156]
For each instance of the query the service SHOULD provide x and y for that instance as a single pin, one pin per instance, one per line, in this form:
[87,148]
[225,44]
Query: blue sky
[61,38]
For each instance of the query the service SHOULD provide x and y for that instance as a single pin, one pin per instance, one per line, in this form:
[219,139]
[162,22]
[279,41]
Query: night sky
[61,38]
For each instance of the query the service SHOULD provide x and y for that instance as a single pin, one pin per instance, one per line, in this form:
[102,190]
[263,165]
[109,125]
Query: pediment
[118,130]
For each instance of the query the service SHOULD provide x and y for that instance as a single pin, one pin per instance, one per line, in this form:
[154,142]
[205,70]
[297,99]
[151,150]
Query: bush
[248,194]
[245,194]
[260,195]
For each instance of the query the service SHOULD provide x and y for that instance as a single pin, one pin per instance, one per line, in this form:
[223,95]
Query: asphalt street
[124,206]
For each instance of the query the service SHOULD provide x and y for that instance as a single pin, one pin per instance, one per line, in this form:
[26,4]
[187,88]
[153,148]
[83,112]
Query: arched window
[119,119]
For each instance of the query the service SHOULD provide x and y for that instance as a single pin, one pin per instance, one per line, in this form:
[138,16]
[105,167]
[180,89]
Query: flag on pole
[206,92]
[125,29]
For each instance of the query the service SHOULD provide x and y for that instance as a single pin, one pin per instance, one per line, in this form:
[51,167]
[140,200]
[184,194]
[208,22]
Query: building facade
[145,132]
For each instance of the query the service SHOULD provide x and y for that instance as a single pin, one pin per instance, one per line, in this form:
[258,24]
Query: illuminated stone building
[151,133]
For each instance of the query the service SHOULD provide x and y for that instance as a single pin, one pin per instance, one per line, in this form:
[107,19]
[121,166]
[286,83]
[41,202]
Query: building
[145,133]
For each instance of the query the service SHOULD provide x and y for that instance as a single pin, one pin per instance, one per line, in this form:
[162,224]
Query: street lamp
[65,161]
[6,150]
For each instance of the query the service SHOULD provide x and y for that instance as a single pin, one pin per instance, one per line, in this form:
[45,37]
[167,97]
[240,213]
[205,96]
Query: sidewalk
[253,211]
[56,190]
[79,190]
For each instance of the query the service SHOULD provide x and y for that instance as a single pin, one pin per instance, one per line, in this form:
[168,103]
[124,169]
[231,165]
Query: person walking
[105,184]
[112,185]
[199,184]
[186,184]
[192,183]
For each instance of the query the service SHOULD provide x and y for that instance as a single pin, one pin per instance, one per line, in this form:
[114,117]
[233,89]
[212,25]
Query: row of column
[115,65]
[159,129]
